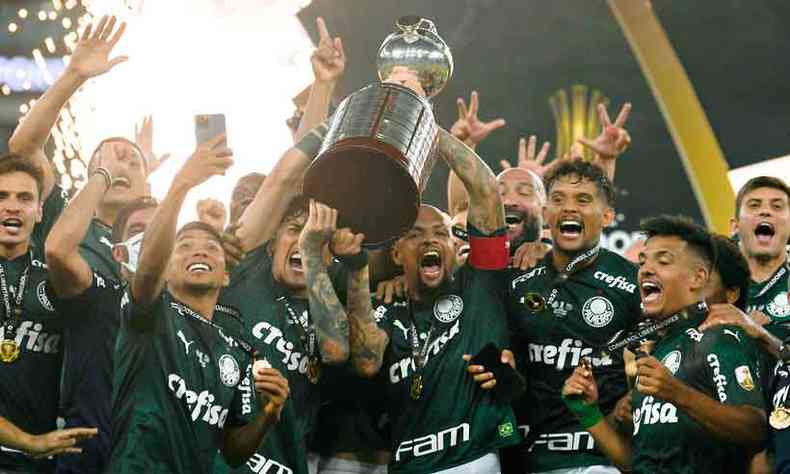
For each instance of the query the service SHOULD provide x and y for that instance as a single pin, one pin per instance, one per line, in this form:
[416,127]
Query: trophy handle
[410,24]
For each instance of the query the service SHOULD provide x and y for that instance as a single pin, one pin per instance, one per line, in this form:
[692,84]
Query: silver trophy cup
[379,152]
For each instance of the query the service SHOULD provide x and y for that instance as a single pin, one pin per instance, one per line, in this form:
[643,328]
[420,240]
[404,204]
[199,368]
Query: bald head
[523,196]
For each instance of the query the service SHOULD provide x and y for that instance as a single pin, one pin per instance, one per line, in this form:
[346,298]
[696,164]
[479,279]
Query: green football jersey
[551,335]
[271,330]
[53,207]
[96,249]
[29,385]
[770,297]
[720,363]
[453,421]
[180,379]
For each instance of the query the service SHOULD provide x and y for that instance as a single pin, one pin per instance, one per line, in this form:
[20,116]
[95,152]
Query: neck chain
[9,348]
[185,310]
[777,276]
[570,269]
[419,355]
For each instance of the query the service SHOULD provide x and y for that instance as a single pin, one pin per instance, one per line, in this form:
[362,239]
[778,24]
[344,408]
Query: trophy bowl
[375,161]
[378,154]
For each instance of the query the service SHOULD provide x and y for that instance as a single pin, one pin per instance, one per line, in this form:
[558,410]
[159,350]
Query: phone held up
[208,126]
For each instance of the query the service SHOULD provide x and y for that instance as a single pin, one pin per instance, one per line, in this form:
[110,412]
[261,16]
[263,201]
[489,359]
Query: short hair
[759,182]
[582,170]
[254,177]
[699,240]
[14,163]
[197,225]
[95,154]
[119,225]
[732,268]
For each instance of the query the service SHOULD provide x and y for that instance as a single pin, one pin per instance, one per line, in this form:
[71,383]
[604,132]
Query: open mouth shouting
[121,182]
[652,294]
[12,225]
[199,267]
[571,228]
[430,266]
[513,219]
[764,232]
[295,262]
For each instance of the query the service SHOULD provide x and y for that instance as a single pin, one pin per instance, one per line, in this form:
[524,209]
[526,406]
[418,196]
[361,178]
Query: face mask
[133,247]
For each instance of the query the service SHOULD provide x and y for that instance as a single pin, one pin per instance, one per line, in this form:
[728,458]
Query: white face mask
[133,247]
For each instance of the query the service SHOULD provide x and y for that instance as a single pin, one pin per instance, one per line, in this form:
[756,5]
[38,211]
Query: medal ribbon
[11,314]
[778,276]
[419,355]
[184,309]
[306,330]
[652,328]
[572,268]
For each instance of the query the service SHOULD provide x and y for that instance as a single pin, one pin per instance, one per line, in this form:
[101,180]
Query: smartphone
[208,126]
[509,383]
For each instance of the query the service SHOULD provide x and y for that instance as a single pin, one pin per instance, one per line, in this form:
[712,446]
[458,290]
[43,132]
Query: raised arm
[160,235]
[613,140]
[471,130]
[485,205]
[580,394]
[89,59]
[329,315]
[329,62]
[69,273]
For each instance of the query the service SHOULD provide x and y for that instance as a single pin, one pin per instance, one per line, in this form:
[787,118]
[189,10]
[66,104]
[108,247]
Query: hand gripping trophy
[378,154]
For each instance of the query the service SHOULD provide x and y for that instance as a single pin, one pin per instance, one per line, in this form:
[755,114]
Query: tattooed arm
[329,315]
[367,340]
[485,206]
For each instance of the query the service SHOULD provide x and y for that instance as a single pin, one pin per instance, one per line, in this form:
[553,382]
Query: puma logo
[403,328]
[183,338]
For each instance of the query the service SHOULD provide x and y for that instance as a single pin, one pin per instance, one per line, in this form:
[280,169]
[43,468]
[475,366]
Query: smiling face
[197,264]
[125,163]
[20,208]
[286,259]
[763,223]
[523,196]
[426,252]
[671,276]
[576,214]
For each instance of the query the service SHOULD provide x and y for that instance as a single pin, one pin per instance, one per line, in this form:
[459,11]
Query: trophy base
[369,184]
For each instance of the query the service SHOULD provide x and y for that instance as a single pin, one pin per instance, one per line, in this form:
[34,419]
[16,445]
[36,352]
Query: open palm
[91,56]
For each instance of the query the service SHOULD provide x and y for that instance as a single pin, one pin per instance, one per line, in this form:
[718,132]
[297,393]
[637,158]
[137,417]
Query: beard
[530,226]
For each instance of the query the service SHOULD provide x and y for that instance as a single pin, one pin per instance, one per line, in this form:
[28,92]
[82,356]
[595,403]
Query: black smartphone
[208,126]
[509,383]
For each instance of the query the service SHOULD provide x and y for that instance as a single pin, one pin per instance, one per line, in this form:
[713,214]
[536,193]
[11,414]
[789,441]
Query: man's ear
[608,216]
[733,294]
[120,253]
[699,277]
[396,255]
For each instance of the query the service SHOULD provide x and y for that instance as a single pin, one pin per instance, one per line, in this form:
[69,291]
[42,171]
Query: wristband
[311,142]
[105,174]
[588,415]
[356,262]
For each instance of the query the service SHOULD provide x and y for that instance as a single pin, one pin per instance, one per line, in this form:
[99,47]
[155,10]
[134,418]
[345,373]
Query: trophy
[378,154]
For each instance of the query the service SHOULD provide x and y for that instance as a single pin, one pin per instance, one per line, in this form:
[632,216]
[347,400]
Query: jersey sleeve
[731,368]
[52,209]
[242,407]
[143,318]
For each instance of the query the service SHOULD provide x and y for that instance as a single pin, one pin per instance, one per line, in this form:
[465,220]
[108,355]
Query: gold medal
[9,351]
[780,418]
[534,302]
[416,387]
[313,370]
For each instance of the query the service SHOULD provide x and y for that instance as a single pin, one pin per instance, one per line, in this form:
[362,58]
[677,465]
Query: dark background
[517,53]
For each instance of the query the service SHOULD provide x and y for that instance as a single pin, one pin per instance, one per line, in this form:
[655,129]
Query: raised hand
[212,212]
[329,58]
[468,127]
[208,160]
[581,384]
[653,378]
[614,138]
[91,56]
[318,230]
[144,137]
[387,291]
[528,160]
[346,243]
[272,387]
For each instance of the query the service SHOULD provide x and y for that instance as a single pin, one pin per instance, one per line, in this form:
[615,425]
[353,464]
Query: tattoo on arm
[329,316]
[485,206]
[367,340]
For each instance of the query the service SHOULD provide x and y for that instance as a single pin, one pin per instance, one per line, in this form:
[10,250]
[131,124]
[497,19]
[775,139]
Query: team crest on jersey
[448,308]
[229,371]
[598,311]
[41,291]
[779,307]
[744,377]
[672,361]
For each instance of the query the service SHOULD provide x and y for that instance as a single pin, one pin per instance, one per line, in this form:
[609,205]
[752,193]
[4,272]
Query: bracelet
[105,174]
[312,141]
[356,262]
[588,415]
